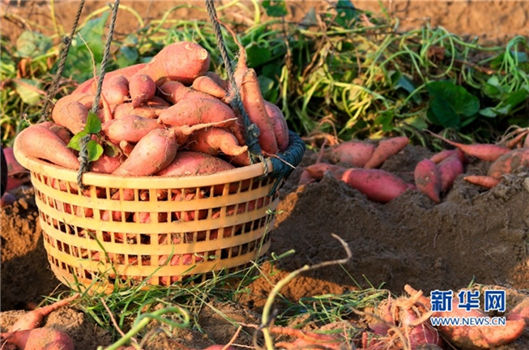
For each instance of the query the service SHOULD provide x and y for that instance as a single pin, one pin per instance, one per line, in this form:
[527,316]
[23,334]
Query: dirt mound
[472,235]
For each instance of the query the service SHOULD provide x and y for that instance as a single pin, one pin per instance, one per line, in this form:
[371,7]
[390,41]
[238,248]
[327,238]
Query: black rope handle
[282,163]
[83,153]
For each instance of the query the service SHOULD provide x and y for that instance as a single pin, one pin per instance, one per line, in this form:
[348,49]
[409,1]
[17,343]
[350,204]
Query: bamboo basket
[128,229]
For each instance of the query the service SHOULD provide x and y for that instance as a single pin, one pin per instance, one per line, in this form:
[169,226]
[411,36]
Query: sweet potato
[385,149]
[509,162]
[126,147]
[59,130]
[483,181]
[195,163]
[151,154]
[214,141]
[129,128]
[149,110]
[526,142]
[191,111]
[220,82]
[70,114]
[356,153]
[520,311]
[39,339]
[142,88]
[305,178]
[487,152]
[253,102]
[38,142]
[316,171]
[377,185]
[209,86]
[449,169]
[241,160]
[279,125]
[33,319]
[105,164]
[182,61]
[428,179]
[115,89]
[440,156]
[418,333]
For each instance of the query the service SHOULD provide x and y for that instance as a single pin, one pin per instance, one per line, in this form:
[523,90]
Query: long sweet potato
[40,142]
[509,162]
[182,61]
[356,153]
[39,339]
[487,152]
[483,181]
[385,149]
[191,111]
[376,184]
[428,179]
[106,164]
[130,128]
[279,125]
[90,85]
[253,102]
[151,109]
[151,154]
[215,140]
[59,130]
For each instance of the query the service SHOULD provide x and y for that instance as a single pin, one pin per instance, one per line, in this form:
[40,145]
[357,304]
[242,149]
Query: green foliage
[92,127]
[32,44]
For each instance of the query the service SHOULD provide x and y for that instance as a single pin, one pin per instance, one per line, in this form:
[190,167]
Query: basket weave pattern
[156,228]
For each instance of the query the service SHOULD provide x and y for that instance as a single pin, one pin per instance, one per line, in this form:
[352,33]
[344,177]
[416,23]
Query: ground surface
[472,235]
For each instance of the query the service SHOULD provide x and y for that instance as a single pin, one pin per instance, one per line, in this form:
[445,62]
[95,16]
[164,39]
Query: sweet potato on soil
[188,163]
[279,125]
[440,156]
[209,86]
[428,179]
[70,114]
[509,162]
[483,181]
[356,153]
[39,339]
[449,169]
[385,149]
[152,153]
[129,128]
[377,185]
[39,142]
[214,141]
[182,61]
[142,88]
[483,151]
[33,319]
[115,89]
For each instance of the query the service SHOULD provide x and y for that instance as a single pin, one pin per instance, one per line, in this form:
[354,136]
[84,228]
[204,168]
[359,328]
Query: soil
[472,235]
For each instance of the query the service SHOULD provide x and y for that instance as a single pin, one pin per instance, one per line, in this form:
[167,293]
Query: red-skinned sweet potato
[70,114]
[115,89]
[142,88]
[39,339]
[182,61]
[152,153]
[356,153]
[428,179]
[214,141]
[385,149]
[449,169]
[279,125]
[188,163]
[509,162]
[377,185]
[129,128]
[39,142]
[209,86]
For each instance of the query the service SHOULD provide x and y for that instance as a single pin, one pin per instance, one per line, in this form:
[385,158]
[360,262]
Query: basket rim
[97,179]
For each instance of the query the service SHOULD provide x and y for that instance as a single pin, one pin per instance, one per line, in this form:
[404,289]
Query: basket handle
[282,163]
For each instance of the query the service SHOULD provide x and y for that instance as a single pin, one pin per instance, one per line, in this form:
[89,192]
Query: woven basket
[207,223]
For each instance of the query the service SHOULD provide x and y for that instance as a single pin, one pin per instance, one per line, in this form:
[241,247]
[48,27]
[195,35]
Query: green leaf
[267,88]
[488,112]
[385,119]
[346,12]
[309,19]
[32,44]
[89,39]
[493,88]
[93,123]
[450,105]
[75,141]
[127,56]
[28,91]
[275,8]
[257,55]
[94,150]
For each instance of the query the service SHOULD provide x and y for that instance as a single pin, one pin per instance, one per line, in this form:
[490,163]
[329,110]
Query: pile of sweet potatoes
[150,113]
[433,176]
